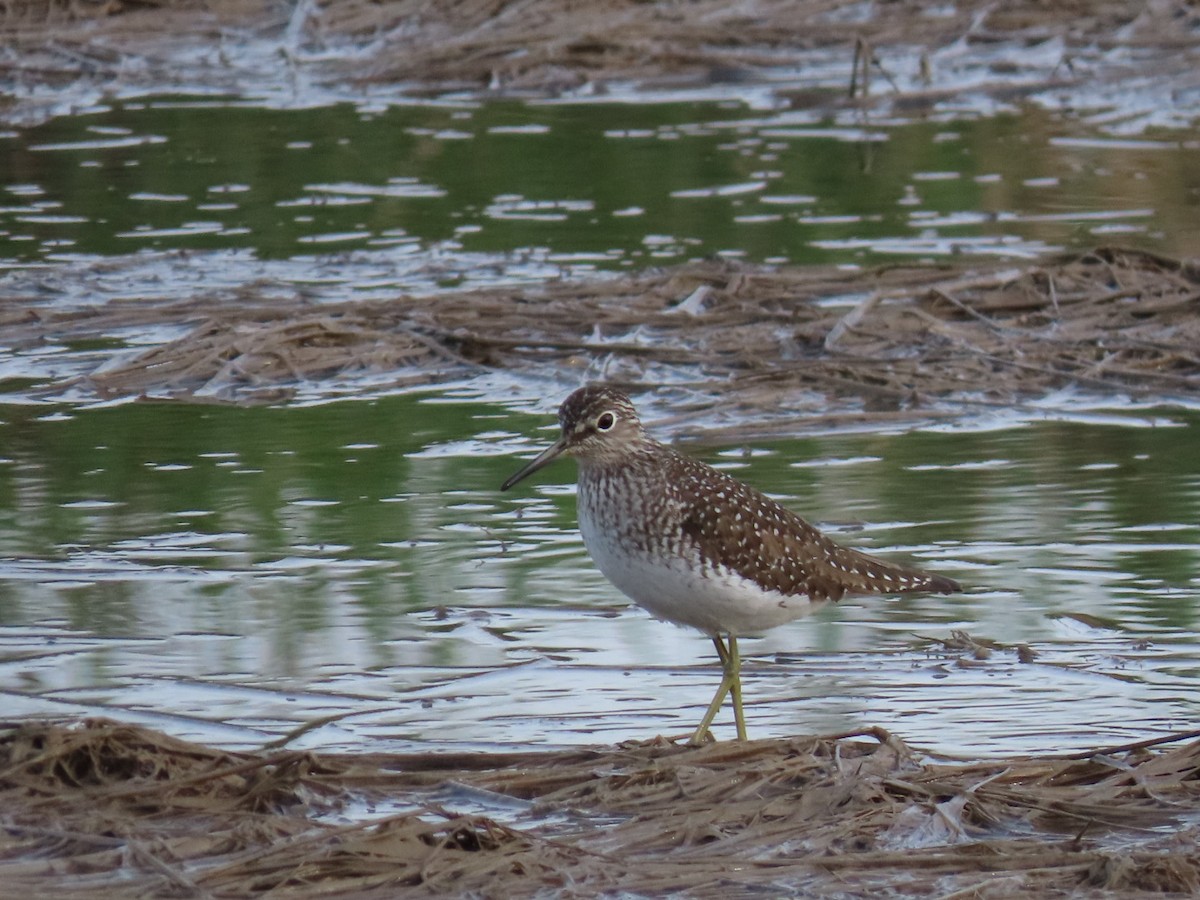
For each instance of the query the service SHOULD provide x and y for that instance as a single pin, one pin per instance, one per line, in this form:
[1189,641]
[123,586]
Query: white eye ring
[605,421]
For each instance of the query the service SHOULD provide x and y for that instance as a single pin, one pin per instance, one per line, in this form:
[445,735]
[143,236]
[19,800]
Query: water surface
[579,187]
[228,574]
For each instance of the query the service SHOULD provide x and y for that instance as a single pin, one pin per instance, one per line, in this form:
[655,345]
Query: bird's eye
[605,421]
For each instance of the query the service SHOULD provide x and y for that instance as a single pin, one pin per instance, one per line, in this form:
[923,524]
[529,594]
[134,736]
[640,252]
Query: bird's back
[738,527]
[661,503]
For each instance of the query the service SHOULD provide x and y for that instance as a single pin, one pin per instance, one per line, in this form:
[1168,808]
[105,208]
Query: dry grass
[903,343]
[105,809]
[550,45]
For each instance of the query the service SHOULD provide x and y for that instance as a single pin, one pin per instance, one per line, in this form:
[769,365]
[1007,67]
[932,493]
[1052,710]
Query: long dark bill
[543,459]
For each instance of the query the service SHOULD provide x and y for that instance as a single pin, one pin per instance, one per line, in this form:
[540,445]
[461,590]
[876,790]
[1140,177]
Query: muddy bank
[766,350]
[102,809]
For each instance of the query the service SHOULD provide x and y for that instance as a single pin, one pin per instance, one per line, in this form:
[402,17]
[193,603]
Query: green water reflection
[392,505]
[615,185]
[220,568]
[249,569]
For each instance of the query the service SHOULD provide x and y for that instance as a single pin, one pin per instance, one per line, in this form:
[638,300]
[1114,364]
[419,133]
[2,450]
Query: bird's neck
[641,456]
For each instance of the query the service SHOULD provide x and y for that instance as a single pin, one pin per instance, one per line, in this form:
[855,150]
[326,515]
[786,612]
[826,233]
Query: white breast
[671,585]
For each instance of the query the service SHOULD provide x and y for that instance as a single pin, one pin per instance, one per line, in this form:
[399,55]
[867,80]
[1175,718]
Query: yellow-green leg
[731,683]
[735,687]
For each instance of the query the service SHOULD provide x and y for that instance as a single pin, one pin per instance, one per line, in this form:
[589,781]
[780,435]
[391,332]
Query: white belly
[674,588]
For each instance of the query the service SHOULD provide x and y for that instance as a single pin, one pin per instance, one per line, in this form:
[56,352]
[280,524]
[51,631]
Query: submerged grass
[107,809]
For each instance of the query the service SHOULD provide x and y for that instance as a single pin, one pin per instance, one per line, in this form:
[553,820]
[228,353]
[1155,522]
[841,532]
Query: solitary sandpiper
[697,547]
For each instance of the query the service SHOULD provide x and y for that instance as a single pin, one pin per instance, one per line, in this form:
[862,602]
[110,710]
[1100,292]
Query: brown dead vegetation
[814,346]
[548,45]
[564,43]
[104,809]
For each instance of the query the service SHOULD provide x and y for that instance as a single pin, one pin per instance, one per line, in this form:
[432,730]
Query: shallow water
[449,193]
[229,574]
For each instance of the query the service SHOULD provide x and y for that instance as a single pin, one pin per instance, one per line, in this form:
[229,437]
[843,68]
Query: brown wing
[736,527]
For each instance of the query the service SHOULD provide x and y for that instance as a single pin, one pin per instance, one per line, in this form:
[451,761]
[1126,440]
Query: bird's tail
[861,573]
